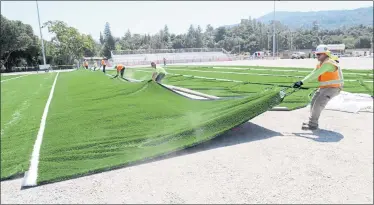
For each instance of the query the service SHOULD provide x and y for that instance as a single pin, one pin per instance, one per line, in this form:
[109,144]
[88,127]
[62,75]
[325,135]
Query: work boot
[306,126]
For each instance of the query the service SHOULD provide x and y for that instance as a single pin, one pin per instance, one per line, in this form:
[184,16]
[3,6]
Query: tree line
[248,36]
[20,46]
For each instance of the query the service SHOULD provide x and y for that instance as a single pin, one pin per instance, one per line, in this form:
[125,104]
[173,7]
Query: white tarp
[351,102]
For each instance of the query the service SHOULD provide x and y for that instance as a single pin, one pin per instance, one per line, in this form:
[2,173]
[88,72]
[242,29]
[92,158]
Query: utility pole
[268,41]
[291,41]
[41,35]
[274,31]
[277,37]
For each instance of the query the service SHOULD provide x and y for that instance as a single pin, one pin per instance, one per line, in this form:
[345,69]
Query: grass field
[95,123]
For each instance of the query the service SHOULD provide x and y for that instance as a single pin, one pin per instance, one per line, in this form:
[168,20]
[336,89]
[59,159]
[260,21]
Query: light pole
[268,40]
[291,40]
[274,31]
[41,35]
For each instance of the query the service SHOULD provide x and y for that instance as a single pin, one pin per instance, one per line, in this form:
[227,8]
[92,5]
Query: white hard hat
[322,49]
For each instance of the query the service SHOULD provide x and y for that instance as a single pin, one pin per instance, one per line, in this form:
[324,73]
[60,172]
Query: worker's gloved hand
[298,84]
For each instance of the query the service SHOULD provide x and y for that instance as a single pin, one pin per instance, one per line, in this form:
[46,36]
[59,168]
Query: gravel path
[269,160]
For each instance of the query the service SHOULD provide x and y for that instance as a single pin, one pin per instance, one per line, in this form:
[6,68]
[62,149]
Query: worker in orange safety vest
[103,64]
[330,78]
[120,70]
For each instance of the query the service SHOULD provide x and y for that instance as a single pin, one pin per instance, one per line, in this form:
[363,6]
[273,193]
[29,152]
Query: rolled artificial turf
[96,123]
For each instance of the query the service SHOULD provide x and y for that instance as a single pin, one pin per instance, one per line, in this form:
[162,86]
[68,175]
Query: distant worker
[164,61]
[85,64]
[330,77]
[159,73]
[103,64]
[120,70]
[95,66]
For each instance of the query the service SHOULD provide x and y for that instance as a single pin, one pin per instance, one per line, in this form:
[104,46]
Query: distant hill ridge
[326,19]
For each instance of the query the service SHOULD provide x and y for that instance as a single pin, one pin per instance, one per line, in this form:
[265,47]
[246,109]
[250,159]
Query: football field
[59,126]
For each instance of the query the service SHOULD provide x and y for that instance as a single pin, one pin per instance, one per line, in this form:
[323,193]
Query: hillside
[326,19]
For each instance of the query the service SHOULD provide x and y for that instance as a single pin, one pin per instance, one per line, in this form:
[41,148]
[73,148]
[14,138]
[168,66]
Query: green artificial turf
[96,123]
[22,104]
[225,89]
[348,74]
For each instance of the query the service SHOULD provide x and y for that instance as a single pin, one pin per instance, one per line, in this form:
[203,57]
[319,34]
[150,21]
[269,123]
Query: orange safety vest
[332,79]
[103,62]
[119,67]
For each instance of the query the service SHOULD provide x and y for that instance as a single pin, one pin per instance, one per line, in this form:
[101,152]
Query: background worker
[95,65]
[103,64]
[85,64]
[330,78]
[159,73]
[120,70]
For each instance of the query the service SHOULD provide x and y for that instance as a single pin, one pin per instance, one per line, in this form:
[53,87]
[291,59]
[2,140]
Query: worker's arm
[327,67]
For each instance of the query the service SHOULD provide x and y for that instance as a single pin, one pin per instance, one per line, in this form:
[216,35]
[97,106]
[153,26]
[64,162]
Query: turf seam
[31,175]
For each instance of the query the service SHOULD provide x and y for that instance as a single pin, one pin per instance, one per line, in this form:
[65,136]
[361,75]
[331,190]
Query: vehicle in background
[258,54]
[337,54]
[298,55]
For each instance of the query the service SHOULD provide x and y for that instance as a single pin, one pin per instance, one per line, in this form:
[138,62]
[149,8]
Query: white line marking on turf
[32,175]
[13,78]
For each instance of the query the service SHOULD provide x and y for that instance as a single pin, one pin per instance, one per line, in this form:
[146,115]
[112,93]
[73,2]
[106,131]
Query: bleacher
[144,57]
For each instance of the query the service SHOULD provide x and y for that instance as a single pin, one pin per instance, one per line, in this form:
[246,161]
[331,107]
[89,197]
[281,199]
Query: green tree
[109,42]
[15,37]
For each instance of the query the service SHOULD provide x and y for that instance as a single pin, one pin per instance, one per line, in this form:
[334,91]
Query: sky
[89,17]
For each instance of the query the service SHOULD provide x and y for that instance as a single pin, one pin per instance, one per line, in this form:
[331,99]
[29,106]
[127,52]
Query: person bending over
[159,73]
[120,70]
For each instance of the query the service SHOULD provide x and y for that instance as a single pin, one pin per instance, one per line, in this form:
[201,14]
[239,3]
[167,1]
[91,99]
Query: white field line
[201,77]
[13,78]
[32,174]
[191,92]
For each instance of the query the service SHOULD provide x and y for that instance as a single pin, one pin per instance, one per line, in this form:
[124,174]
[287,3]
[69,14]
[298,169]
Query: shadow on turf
[244,133]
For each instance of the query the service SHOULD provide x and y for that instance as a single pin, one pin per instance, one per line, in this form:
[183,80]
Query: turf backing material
[96,123]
